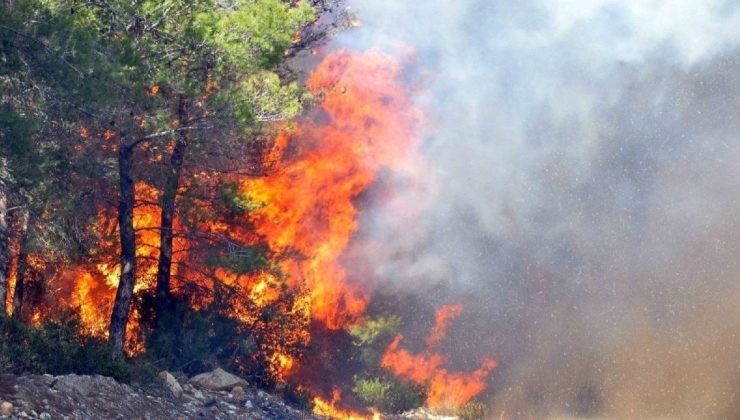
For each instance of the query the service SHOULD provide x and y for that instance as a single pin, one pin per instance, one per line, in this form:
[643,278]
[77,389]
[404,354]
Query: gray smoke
[586,160]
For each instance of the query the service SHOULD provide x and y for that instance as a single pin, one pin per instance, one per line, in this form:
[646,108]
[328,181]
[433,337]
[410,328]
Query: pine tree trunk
[22,266]
[4,238]
[169,195]
[124,294]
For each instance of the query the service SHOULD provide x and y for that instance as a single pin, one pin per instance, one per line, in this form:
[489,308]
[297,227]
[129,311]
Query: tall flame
[365,123]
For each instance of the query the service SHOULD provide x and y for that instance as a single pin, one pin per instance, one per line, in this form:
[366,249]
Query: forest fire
[371,208]
[305,210]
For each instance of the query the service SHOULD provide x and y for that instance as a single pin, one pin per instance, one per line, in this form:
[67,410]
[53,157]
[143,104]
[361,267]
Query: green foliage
[16,142]
[269,100]
[248,260]
[389,395]
[473,410]
[259,31]
[234,201]
[56,348]
[15,133]
[373,386]
[371,337]
[371,330]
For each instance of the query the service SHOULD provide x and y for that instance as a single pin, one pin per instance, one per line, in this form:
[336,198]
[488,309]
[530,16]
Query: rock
[48,380]
[6,408]
[93,397]
[218,380]
[172,384]
[89,385]
[238,393]
[198,395]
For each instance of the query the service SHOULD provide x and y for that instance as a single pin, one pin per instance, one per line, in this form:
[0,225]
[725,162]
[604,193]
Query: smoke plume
[582,198]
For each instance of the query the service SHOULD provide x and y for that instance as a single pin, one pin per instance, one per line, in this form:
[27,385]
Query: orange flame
[443,317]
[325,408]
[93,286]
[364,124]
[446,389]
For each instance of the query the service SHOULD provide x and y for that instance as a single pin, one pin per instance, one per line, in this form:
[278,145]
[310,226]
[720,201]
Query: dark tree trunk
[124,294]
[4,238]
[22,266]
[169,194]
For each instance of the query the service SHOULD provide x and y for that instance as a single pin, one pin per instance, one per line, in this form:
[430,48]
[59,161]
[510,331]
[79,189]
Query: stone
[217,380]
[238,393]
[248,405]
[48,380]
[172,385]
[88,385]
[198,395]
[6,408]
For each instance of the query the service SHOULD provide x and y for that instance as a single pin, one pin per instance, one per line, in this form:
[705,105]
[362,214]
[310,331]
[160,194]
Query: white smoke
[586,161]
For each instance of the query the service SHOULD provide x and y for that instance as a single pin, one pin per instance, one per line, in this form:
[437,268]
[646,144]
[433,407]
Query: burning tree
[149,83]
[199,68]
[211,229]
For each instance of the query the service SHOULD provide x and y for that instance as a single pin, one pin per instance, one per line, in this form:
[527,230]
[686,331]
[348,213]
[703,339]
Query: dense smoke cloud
[584,160]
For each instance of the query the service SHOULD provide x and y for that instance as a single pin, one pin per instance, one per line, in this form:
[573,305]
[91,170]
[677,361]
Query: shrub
[473,410]
[57,347]
[389,395]
[372,336]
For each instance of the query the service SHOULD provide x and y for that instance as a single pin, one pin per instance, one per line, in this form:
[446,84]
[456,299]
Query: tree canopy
[102,97]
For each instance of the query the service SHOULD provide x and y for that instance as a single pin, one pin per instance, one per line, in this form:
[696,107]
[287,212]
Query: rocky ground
[212,395]
[215,395]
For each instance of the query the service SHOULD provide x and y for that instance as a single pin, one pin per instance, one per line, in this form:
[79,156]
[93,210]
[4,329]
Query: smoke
[582,198]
